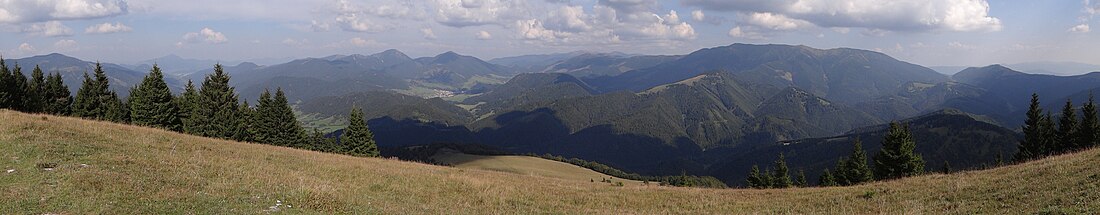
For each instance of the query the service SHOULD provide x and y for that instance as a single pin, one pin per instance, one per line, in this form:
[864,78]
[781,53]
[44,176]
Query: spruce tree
[946,167]
[216,113]
[264,125]
[35,100]
[800,181]
[151,103]
[898,157]
[782,174]
[58,97]
[276,123]
[839,174]
[827,179]
[357,139]
[187,101]
[5,82]
[755,180]
[855,169]
[17,88]
[1088,134]
[1050,134]
[95,100]
[245,131]
[1032,146]
[1067,129]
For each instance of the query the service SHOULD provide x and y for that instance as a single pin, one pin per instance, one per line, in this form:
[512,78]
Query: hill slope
[107,168]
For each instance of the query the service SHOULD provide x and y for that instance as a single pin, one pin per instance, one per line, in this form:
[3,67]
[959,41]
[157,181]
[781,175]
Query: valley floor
[71,166]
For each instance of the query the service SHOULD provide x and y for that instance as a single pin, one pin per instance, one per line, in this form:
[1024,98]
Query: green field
[58,165]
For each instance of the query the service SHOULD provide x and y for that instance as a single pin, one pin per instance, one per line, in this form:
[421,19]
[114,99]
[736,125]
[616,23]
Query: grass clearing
[105,168]
[526,165]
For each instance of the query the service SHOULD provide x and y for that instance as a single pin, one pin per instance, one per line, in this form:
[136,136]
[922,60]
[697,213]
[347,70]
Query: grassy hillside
[524,165]
[97,167]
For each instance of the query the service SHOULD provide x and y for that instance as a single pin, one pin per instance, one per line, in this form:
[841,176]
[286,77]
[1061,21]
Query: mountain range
[715,111]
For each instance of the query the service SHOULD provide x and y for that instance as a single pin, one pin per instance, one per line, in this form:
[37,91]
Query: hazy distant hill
[1055,68]
[842,75]
[604,64]
[72,72]
[176,65]
[1017,87]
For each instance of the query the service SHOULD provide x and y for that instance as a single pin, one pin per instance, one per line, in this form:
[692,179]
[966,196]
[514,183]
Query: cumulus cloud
[775,21]
[429,34]
[483,35]
[26,48]
[1082,28]
[698,16]
[360,42]
[107,28]
[17,11]
[466,13]
[358,23]
[206,35]
[48,29]
[892,15]
[739,32]
[65,45]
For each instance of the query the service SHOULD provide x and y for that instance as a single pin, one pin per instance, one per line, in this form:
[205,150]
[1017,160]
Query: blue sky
[927,32]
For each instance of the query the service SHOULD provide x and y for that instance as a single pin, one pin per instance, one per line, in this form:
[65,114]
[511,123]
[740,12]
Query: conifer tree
[151,103]
[5,81]
[1032,146]
[216,113]
[95,100]
[35,92]
[827,179]
[898,157]
[782,174]
[946,167]
[245,131]
[841,168]
[767,179]
[276,123]
[357,139]
[265,130]
[855,169]
[187,101]
[1089,130]
[58,97]
[318,142]
[17,88]
[800,181]
[755,179]
[1050,134]
[1067,129]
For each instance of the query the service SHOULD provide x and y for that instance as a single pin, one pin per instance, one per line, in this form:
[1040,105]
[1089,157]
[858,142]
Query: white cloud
[319,26]
[698,16]
[483,35]
[459,13]
[26,48]
[428,34]
[775,22]
[893,15]
[360,42]
[1082,28]
[206,35]
[27,11]
[107,28]
[355,22]
[65,45]
[48,29]
[739,32]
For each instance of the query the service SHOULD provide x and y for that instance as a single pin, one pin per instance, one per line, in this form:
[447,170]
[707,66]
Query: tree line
[1044,137]
[896,159]
[212,110]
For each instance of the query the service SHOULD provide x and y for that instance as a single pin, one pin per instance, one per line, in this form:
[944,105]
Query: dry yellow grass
[526,165]
[104,168]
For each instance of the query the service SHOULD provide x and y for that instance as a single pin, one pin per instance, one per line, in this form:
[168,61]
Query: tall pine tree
[1050,134]
[855,169]
[17,88]
[1034,143]
[58,97]
[187,101]
[216,113]
[5,81]
[1088,134]
[95,100]
[898,157]
[782,173]
[357,139]
[35,99]
[1067,129]
[151,103]
[755,179]
[276,123]
[245,128]
[800,181]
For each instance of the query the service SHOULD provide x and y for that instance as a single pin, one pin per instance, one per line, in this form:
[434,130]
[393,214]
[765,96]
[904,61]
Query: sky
[926,32]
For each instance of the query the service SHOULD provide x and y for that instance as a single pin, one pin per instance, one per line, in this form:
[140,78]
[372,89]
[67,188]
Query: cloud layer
[27,11]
